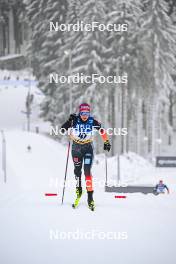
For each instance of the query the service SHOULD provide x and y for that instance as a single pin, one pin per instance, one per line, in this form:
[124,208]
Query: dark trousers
[83,155]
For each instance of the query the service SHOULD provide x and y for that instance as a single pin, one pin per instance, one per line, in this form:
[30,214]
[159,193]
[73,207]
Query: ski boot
[90,201]
[79,194]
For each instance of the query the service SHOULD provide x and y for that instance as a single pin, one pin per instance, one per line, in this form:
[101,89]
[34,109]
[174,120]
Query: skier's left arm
[167,188]
[104,136]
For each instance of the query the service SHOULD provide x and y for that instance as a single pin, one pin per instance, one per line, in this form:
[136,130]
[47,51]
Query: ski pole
[118,168]
[68,152]
[106,170]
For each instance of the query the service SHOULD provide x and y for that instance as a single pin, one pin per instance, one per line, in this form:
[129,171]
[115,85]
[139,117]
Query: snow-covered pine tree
[90,52]
[33,18]
[66,59]
[159,39]
[44,48]
[123,55]
[54,12]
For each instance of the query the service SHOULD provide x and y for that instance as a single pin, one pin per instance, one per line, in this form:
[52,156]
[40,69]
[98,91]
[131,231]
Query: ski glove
[72,117]
[107,145]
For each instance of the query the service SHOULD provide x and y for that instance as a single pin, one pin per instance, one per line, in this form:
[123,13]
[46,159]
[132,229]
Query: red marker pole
[120,196]
[51,194]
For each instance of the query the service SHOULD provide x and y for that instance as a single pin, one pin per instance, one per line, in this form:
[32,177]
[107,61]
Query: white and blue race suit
[160,188]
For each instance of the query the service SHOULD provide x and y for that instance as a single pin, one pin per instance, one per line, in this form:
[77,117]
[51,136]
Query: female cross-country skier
[81,127]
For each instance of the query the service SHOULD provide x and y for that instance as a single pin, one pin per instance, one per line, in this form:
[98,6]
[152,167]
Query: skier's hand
[72,117]
[107,145]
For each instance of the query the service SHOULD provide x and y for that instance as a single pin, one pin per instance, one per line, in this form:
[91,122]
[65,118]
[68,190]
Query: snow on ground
[31,223]
[133,170]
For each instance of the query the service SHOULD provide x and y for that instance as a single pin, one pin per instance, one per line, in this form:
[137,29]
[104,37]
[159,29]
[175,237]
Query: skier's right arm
[156,187]
[68,123]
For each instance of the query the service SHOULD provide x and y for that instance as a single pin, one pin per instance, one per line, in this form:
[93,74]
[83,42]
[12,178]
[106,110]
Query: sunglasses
[84,114]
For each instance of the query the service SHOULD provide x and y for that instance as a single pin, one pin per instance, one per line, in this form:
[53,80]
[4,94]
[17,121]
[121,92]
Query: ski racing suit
[160,188]
[81,133]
